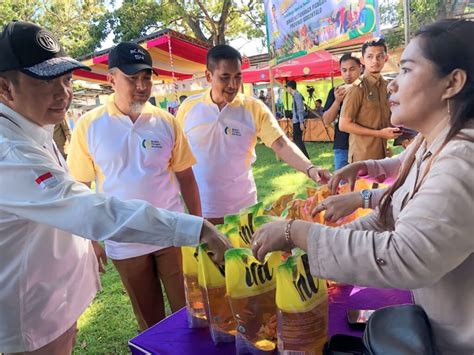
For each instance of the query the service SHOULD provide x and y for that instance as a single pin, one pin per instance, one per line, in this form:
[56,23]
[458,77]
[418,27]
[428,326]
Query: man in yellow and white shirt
[134,150]
[222,127]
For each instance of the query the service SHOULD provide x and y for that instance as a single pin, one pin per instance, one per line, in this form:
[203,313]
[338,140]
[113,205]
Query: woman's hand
[271,237]
[349,173]
[339,206]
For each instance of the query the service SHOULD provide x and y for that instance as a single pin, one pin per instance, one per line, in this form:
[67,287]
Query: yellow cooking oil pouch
[251,290]
[302,304]
[253,211]
[211,278]
[196,314]
[277,207]
[248,226]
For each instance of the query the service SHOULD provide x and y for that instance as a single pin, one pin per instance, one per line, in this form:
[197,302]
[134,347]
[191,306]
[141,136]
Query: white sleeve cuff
[188,230]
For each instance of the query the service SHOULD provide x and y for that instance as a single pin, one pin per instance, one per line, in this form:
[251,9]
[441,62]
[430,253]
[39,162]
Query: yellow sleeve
[182,157]
[268,129]
[79,161]
[181,114]
[352,103]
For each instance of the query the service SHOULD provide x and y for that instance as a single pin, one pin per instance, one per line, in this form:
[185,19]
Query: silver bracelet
[288,239]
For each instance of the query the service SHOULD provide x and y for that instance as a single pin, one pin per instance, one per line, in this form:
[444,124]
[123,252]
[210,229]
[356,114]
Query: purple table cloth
[172,335]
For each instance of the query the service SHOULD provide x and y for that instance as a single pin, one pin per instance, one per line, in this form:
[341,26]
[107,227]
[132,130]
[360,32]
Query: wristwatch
[366,195]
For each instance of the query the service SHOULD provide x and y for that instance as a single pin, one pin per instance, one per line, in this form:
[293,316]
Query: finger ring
[255,243]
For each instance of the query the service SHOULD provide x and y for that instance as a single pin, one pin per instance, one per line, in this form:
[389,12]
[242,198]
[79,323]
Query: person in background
[420,238]
[62,137]
[134,150]
[298,116]
[365,112]
[350,69]
[318,108]
[222,127]
[48,270]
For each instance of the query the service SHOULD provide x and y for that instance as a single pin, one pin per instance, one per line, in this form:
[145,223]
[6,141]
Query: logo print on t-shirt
[229,131]
[150,143]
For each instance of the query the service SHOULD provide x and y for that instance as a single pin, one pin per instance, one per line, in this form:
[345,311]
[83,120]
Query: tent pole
[272,96]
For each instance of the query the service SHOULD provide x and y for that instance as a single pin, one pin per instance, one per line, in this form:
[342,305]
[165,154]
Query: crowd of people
[149,167]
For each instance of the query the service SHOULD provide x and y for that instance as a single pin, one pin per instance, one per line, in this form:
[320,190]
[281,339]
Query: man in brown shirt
[365,113]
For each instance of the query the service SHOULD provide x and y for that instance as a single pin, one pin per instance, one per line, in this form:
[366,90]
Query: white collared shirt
[48,276]
[223,142]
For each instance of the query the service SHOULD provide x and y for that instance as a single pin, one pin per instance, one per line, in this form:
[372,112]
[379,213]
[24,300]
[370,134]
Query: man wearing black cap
[134,150]
[48,275]
[298,116]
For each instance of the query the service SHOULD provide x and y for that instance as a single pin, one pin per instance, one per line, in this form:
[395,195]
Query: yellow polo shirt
[131,160]
[223,143]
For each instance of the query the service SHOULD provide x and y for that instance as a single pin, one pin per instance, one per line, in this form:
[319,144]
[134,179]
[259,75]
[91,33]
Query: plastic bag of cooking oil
[254,210]
[234,220]
[241,227]
[248,227]
[194,301]
[211,278]
[302,303]
[277,207]
[251,290]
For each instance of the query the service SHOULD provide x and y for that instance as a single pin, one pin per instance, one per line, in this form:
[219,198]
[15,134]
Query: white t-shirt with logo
[131,160]
[223,143]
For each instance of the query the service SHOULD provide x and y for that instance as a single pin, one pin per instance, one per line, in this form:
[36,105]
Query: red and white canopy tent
[175,57]
[320,64]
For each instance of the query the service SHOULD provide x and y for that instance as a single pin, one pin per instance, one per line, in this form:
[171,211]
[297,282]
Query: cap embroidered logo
[46,41]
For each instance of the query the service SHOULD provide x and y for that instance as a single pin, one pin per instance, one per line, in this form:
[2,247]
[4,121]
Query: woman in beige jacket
[422,236]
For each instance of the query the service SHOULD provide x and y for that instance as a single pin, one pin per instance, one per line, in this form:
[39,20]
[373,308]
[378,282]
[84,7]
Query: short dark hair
[348,56]
[376,42]
[291,84]
[320,101]
[221,52]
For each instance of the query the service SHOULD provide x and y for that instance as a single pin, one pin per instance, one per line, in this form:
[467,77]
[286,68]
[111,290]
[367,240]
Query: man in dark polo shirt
[350,70]
[365,112]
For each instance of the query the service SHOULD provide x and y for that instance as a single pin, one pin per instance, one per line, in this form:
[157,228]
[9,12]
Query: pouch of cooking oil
[194,301]
[211,279]
[251,290]
[302,302]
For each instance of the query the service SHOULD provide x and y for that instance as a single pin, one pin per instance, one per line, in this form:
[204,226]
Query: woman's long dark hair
[449,45]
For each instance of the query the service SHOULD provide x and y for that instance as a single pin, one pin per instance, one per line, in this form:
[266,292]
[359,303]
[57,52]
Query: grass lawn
[109,322]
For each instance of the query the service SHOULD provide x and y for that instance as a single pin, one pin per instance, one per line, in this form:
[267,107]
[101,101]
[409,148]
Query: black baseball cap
[34,51]
[291,84]
[130,58]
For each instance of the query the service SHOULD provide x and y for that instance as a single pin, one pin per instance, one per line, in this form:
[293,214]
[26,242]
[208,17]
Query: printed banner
[298,27]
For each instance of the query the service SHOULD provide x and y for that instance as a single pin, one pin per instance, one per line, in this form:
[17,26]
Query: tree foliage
[421,12]
[75,22]
[213,21]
